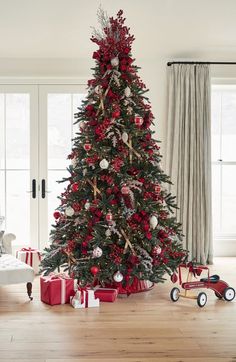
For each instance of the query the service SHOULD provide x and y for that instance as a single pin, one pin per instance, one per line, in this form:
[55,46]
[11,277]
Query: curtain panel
[189,155]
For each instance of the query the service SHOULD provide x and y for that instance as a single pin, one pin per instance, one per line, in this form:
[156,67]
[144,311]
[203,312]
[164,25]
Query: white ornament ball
[87,205]
[104,164]
[125,137]
[115,62]
[108,232]
[157,250]
[69,211]
[97,252]
[127,92]
[98,89]
[153,221]
[118,277]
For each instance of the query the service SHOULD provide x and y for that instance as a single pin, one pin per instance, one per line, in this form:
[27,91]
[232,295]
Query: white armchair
[12,270]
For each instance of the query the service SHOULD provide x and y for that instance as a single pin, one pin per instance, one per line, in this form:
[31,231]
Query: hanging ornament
[98,89]
[84,171]
[56,215]
[75,187]
[127,92]
[69,211]
[157,188]
[115,62]
[87,146]
[156,250]
[125,137]
[116,114]
[174,278]
[125,190]
[108,233]
[104,164]
[97,252]
[74,162]
[153,222]
[118,277]
[109,217]
[129,110]
[87,205]
[94,270]
[138,121]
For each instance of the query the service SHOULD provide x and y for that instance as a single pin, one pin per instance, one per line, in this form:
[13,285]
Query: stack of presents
[61,289]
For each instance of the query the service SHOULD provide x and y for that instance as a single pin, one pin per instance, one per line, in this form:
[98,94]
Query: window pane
[229,125]
[215,124]
[216,205]
[60,120]
[18,205]
[17,131]
[228,199]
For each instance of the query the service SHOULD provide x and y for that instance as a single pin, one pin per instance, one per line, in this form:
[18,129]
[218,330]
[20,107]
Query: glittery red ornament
[94,270]
[138,121]
[109,216]
[116,114]
[87,146]
[174,278]
[56,214]
[125,190]
[75,187]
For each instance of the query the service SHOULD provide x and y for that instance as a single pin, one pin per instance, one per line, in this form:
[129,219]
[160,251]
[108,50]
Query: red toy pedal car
[221,288]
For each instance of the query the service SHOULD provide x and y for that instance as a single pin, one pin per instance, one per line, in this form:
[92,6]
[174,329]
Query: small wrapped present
[84,298]
[106,294]
[56,289]
[31,257]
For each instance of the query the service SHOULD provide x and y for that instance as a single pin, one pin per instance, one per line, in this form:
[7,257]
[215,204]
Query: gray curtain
[189,155]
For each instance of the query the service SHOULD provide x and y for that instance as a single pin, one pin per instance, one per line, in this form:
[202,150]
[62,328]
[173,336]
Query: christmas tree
[115,220]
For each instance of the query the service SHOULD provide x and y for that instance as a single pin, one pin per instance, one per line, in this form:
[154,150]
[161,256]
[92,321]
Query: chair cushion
[13,271]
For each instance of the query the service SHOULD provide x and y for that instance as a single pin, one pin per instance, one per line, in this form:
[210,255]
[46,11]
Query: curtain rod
[187,62]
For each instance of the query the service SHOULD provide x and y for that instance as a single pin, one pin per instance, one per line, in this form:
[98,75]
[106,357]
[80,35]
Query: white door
[36,127]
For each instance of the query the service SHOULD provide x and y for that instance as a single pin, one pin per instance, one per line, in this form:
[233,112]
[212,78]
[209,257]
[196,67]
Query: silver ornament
[87,205]
[153,222]
[118,277]
[125,137]
[127,92]
[69,211]
[98,89]
[115,62]
[108,232]
[104,164]
[97,252]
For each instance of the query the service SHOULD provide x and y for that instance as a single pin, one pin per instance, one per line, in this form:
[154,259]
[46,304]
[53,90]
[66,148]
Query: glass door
[36,128]
[58,104]
[19,162]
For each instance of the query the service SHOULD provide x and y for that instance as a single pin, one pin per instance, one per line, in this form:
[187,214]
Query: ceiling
[62,28]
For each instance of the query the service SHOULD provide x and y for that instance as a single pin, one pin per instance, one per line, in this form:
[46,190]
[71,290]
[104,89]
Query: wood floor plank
[146,327]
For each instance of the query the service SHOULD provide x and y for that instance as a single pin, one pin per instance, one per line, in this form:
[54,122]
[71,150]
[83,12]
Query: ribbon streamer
[127,243]
[95,188]
[129,144]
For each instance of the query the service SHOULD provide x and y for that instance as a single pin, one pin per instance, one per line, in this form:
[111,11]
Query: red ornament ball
[94,270]
[116,114]
[87,146]
[138,121]
[56,215]
[75,187]
[125,190]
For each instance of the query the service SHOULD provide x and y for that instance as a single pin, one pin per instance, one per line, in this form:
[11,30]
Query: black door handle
[43,188]
[34,188]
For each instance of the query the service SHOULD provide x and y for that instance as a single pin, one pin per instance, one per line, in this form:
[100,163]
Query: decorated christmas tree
[115,220]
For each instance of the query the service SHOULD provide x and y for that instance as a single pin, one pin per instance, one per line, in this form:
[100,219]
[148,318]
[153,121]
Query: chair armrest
[7,242]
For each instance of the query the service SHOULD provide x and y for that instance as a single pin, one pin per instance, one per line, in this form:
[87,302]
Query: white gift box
[84,298]
[31,257]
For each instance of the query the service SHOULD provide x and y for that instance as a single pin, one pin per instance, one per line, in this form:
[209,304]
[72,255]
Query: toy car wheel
[229,294]
[201,299]
[218,295]
[174,294]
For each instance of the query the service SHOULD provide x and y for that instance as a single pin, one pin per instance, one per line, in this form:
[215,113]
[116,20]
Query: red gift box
[56,289]
[106,294]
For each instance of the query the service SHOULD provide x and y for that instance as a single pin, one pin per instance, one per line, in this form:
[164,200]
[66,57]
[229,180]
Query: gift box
[106,294]
[84,298]
[31,257]
[56,289]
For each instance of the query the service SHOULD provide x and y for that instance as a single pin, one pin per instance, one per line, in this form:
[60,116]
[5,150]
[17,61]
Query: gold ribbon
[95,188]
[127,243]
[129,144]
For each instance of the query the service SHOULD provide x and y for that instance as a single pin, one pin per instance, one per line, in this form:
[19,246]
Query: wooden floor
[145,327]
